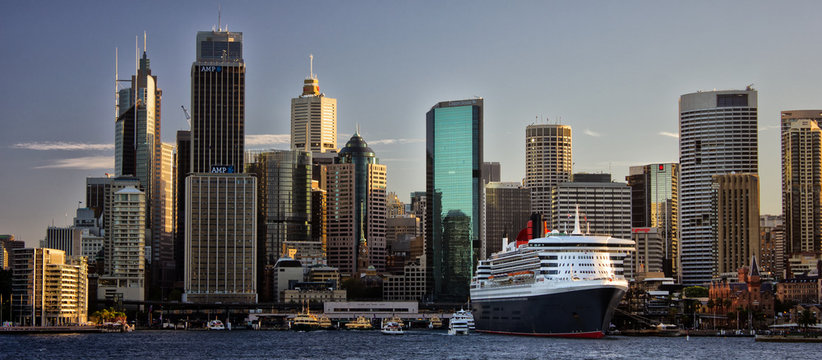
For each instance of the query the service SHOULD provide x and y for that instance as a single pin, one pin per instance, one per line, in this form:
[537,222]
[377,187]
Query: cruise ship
[564,285]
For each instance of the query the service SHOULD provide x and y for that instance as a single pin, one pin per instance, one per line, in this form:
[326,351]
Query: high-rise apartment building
[655,203]
[604,206]
[356,190]
[313,118]
[547,163]
[802,180]
[49,287]
[737,214]
[221,238]
[218,102]
[114,185]
[717,135]
[126,236]
[507,211]
[453,159]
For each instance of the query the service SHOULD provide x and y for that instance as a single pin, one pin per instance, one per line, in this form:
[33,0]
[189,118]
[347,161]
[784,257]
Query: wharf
[50,330]
[789,338]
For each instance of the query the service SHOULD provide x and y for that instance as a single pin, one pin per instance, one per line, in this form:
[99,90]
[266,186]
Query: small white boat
[458,326]
[390,327]
[216,325]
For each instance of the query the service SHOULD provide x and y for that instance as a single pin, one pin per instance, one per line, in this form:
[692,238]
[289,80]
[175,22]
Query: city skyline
[577,61]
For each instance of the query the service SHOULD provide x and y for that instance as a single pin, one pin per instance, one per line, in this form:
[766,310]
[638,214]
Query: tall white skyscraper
[547,163]
[313,118]
[717,135]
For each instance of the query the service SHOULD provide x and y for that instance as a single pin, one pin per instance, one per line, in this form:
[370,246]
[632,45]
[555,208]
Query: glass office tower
[454,189]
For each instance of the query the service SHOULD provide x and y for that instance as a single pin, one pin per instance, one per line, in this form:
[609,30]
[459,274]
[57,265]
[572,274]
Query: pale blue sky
[613,70]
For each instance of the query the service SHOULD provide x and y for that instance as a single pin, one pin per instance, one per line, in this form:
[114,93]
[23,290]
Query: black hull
[581,313]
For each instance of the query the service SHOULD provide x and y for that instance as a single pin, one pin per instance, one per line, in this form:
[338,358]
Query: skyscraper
[313,118]
[547,163]
[737,212]
[802,180]
[284,203]
[221,238]
[453,158]
[162,222]
[182,167]
[218,102]
[356,191]
[137,129]
[67,239]
[490,172]
[507,211]
[717,135]
[655,203]
[604,206]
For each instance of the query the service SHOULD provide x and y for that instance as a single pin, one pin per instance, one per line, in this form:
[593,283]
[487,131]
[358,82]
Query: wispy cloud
[267,139]
[85,163]
[766,128]
[399,160]
[590,132]
[61,145]
[669,134]
[395,141]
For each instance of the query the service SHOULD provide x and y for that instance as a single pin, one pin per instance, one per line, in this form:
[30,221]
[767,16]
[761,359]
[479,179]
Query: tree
[695,291]
[806,319]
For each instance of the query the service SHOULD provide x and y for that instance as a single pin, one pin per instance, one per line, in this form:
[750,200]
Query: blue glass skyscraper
[454,189]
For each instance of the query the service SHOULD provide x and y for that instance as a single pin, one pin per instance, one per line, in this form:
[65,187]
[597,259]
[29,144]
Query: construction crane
[185,112]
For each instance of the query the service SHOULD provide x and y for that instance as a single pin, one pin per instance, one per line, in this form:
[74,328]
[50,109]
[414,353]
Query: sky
[612,70]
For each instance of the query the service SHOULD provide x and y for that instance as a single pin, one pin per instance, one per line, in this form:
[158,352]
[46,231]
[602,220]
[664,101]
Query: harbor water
[415,344]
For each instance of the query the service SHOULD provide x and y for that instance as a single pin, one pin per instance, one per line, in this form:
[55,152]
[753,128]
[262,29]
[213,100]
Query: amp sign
[211,68]
[222,169]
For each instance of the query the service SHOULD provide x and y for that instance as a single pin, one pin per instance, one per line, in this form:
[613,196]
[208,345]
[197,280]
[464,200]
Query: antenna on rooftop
[145,38]
[116,77]
[311,66]
[219,17]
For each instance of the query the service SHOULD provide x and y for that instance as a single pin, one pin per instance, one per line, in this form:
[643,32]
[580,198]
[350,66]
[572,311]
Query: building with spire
[313,118]
[356,192]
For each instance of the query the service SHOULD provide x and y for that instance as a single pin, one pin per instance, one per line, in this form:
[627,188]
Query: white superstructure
[557,263]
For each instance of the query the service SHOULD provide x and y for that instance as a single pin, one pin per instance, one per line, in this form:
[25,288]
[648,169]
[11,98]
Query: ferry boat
[458,326]
[434,322]
[216,324]
[465,315]
[325,322]
[565,285]
[391,327]
[360,324]
[305,321]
